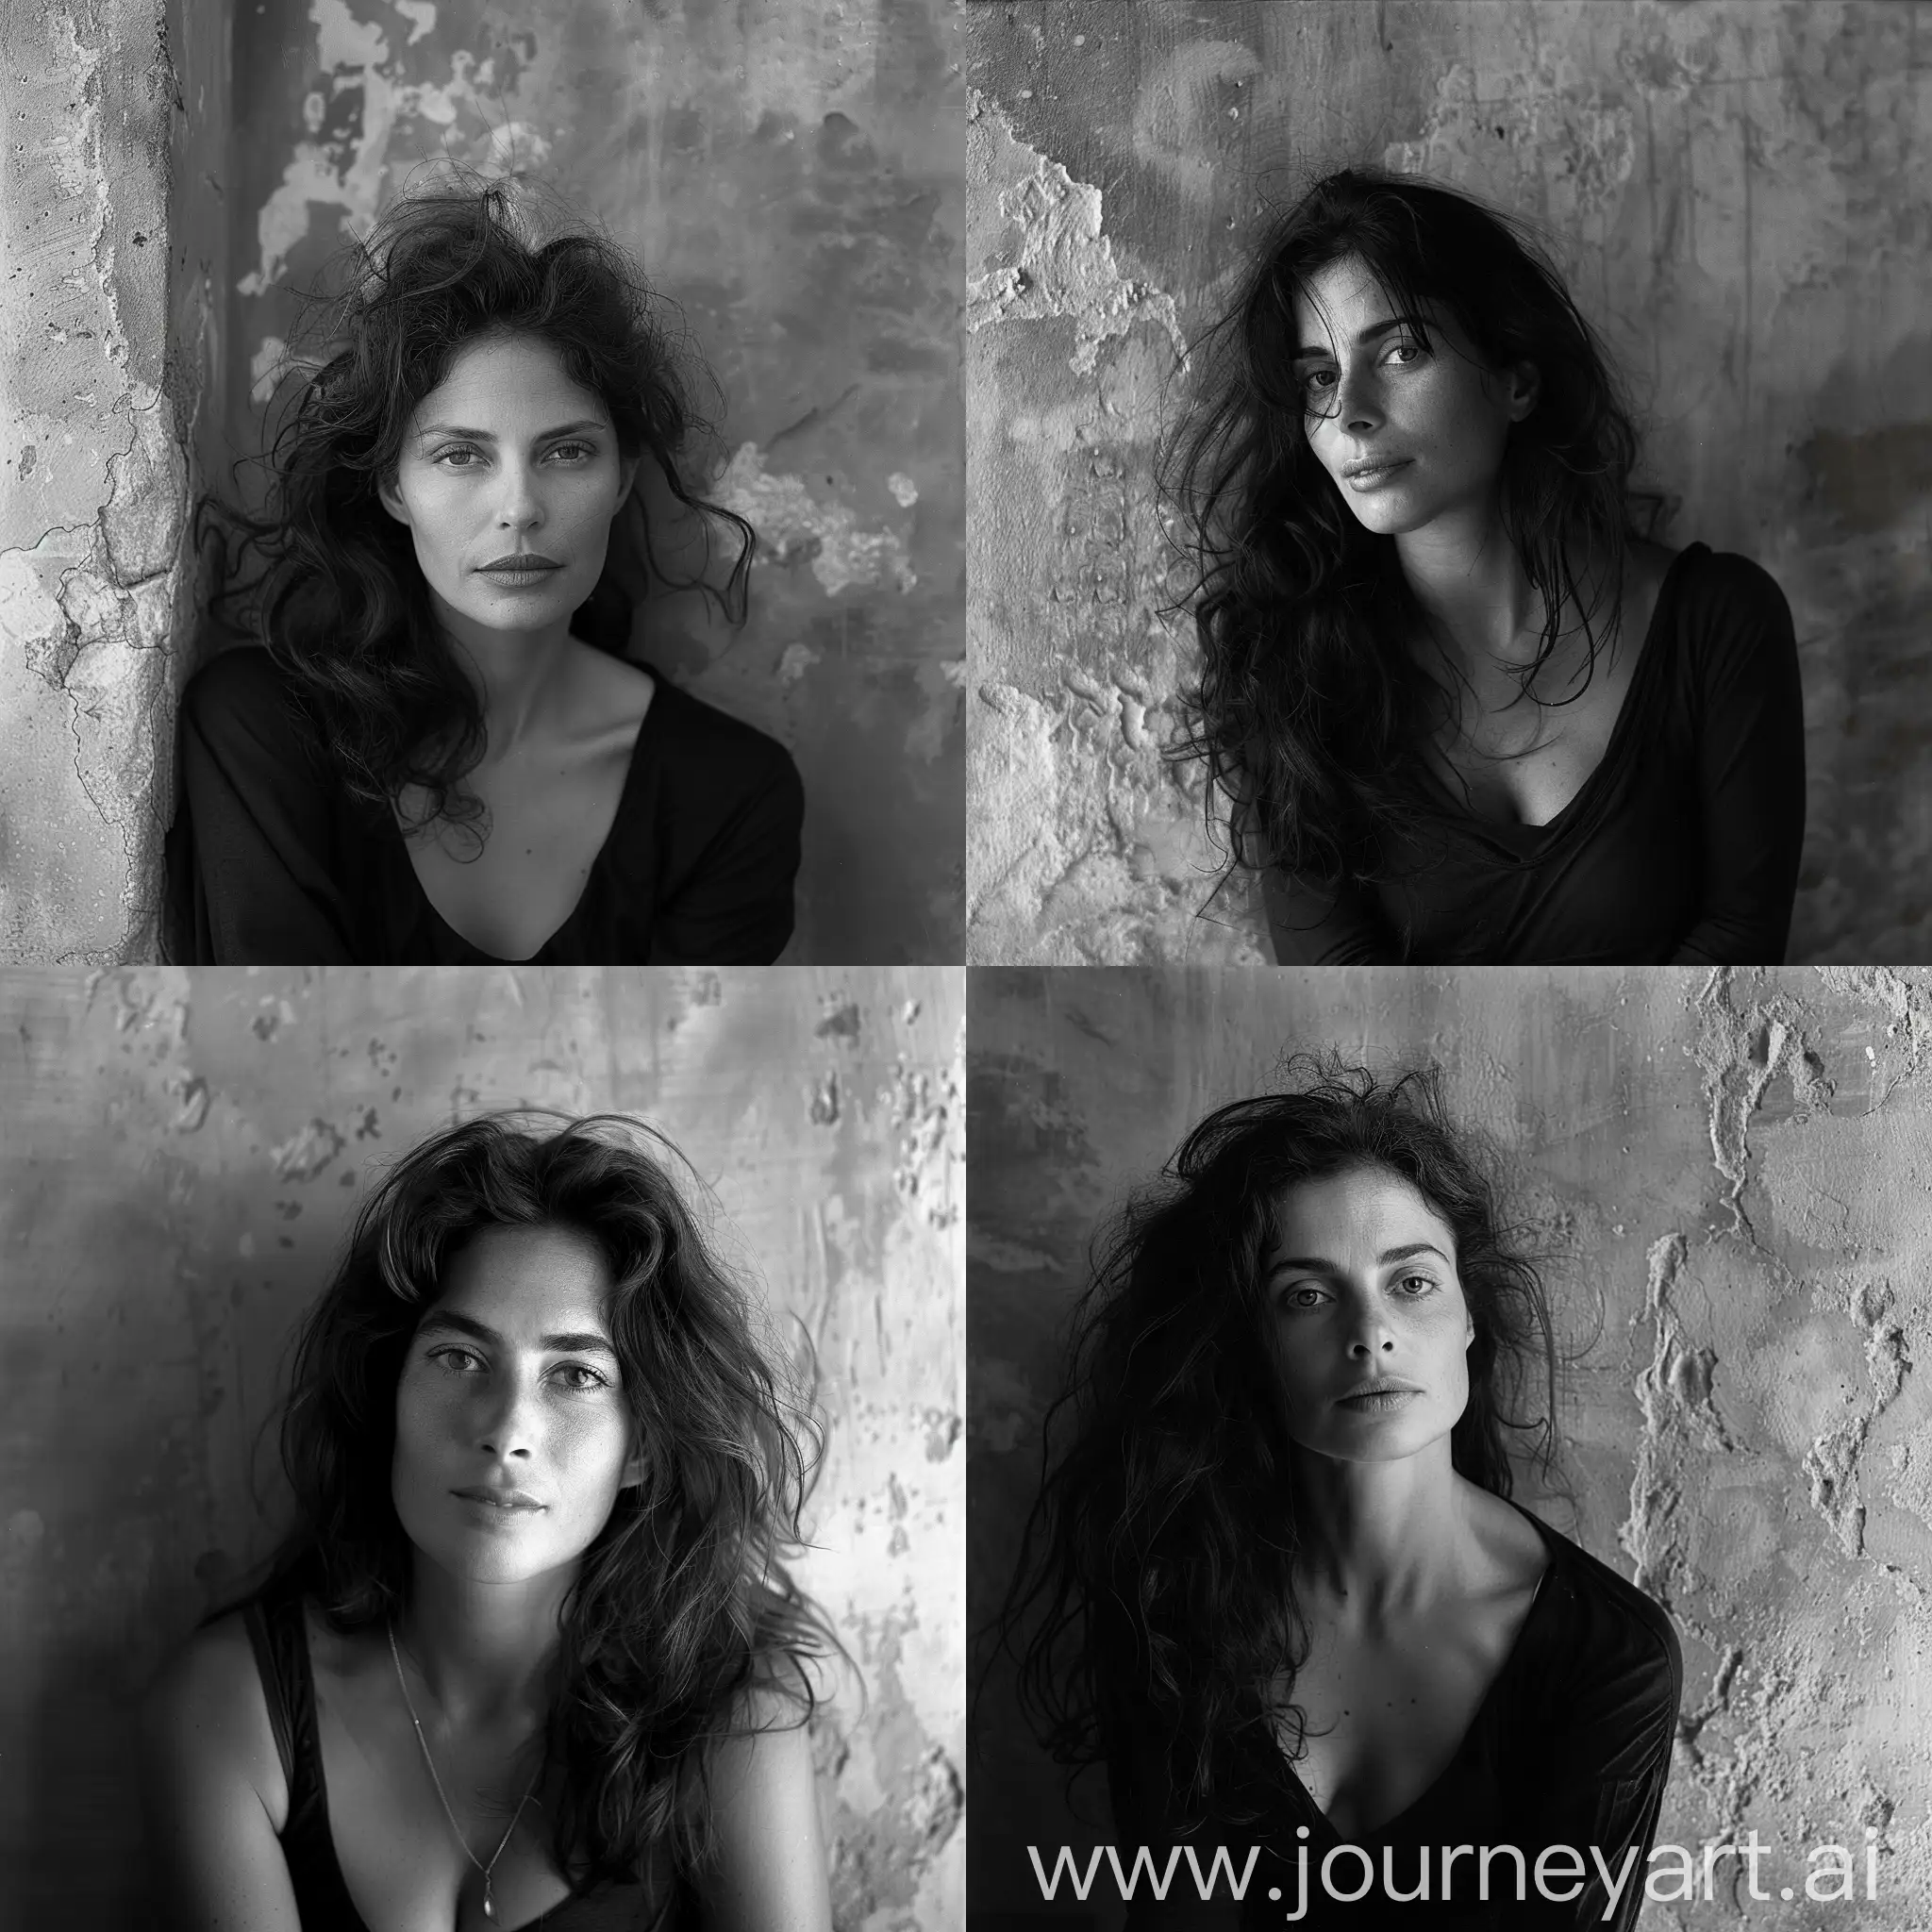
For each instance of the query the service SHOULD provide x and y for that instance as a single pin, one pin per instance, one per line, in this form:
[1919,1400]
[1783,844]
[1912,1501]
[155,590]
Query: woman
[1455,707]
[528,1654]
[1287,1600]
[443,754]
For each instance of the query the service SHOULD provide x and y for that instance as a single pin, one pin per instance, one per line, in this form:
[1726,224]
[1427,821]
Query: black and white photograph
[483,1450]
[481,483]
[1449,482]
[964,965]
[1446,1448]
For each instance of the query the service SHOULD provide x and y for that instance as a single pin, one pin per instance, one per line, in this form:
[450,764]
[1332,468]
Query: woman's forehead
[1362,1207]
[519,1278]
[1336,302]
[504,378]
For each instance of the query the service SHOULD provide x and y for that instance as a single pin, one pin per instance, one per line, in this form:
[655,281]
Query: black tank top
[276,1628]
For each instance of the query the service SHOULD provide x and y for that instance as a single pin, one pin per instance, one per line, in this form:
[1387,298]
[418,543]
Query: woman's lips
[1376,1400]
[1369,479]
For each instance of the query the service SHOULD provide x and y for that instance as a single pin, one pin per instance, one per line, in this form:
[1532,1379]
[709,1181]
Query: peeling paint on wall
[1063,265]
[1732,1176]
[184,1156]
[794,527]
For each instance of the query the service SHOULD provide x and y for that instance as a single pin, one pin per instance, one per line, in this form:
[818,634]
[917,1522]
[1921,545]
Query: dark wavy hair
[1308,711]
[328,580]
[681,1623]
[1153,1607]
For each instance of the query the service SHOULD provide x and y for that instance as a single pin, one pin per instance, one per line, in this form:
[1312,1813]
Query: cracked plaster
[1732,1174]
[92,507]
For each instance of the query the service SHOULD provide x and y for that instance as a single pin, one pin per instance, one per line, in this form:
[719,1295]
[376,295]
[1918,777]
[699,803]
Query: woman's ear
[1523,389]
[392,498]
[626,474]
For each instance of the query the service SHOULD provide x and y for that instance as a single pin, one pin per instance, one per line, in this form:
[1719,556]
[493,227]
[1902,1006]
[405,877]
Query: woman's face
[1360,1286]
[511,1383]
[508,457]
[1432,422]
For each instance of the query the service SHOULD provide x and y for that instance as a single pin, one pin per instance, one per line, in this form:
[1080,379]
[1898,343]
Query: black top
[271,862]
[277,1630]
[1682,846]
[1570,1746]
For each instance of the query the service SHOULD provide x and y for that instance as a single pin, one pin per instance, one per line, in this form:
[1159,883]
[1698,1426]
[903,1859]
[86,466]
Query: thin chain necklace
[489,1903]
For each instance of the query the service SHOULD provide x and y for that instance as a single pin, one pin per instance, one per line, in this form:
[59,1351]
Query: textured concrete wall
[181,1158]
[790,173]
[96,413]
[1736,1176]
[1740,199]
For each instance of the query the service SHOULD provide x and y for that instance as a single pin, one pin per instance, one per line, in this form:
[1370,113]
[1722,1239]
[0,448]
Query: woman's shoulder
[240,674]
[1611,1626]
[701,731]
[1728,589]
[205,1715]
[242,693]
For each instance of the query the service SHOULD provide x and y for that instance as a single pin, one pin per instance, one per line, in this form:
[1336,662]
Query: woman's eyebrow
[446,1321]
[1316,1264]
[1375,332]
[576,428]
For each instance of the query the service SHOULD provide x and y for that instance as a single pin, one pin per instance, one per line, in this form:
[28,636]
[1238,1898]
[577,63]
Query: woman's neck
[1379,1539]
[487,1652]
[523,678]
[1468,577]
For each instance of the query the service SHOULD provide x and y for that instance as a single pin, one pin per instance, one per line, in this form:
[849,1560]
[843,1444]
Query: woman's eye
[575,449]
[566,1373]
[1303,1295]
[1411,351]
[443,457]
[1416,1286]
[1316,381]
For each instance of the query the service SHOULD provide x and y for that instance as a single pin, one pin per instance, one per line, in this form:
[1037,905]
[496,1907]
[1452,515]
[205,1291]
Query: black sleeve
[1311,926]
[1604,1780]
[250,855]
[1750,774]
[729,902]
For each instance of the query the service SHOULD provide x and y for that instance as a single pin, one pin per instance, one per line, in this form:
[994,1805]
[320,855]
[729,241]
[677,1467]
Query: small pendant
[489,1906]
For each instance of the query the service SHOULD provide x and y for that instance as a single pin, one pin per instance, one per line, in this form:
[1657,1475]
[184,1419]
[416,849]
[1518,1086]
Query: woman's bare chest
[1521,757]
[548,819]
[1385,1720]
[401,1855]
[1519,760]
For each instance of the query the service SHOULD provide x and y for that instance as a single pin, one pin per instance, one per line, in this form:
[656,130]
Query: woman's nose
[508,1422]
[1357,406]
[1371,1334]
[520,506]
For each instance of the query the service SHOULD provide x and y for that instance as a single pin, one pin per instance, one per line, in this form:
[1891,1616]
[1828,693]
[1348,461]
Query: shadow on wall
[183,1157]
[1738,197]
[1728,1169]
[789,175]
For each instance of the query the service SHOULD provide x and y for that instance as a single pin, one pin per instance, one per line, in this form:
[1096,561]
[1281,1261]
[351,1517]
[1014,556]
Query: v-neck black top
[1681,846]
[1570,1746]
[271,862]
[278,1631]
